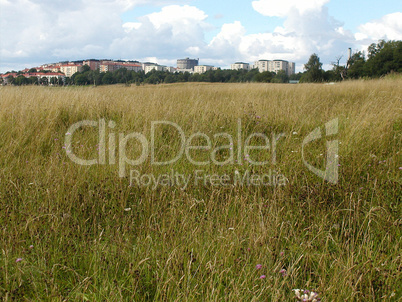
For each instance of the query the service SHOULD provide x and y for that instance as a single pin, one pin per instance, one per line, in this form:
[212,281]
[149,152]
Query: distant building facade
[156,67]
[275,66]
[93,64]
[202,68]
[187,63]
[70,69]
[169,69]
[185,70]
[111,66]
[240,65]
[50,67]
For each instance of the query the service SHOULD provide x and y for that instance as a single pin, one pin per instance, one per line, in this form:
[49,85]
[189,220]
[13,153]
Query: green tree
[85,68]
[356,65]
[80,79]
[296,76]
[43,81]
[108,78]
[68,81]
[263,77]
[374,48]
[53,81]
[121,75]
[314,72]
[94,77]
[33,80]
[21,80]
[10,79]
[280,77]
[384,58]
[137,77]
[250,75]
[169,79]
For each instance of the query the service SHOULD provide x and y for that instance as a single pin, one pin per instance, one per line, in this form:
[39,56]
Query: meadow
[71,232]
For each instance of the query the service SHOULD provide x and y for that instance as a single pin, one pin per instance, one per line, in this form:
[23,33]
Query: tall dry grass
[84,234]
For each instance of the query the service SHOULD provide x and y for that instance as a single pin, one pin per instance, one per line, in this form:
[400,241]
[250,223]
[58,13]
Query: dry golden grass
[95,238]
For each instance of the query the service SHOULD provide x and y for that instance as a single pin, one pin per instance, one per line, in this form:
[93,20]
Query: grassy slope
[201,243]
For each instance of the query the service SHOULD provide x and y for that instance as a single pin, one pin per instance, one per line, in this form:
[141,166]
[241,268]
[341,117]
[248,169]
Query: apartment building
[47,75]
[291,68]
[185,70]
[70,69]
[202,68]
[93,64]
[187,63]
[240,65]
[51,67]
[169,69]
[149,68]
[107,66]
[132,66]
[275,66]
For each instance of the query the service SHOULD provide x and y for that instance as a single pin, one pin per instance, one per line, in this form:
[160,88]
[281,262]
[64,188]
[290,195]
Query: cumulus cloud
[57,28]
[274,8]
[227,41]
[388,27]
[303,32]
[51,30]
[177,16]
[172,31]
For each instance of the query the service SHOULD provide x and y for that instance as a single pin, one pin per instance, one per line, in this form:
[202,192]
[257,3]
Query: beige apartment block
[275,66]
[69,70]
[149,68]
[240,65]
[202,68]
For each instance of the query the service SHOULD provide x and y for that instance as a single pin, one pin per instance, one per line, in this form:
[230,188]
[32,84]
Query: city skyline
[69,68]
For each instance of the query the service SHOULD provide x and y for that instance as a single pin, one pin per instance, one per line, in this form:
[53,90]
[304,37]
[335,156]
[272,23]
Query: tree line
[122,75]
[382,58]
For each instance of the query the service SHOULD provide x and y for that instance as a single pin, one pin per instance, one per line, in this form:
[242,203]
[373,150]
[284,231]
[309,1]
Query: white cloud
[129,26]
[388,27]
[177,16]
[226,43]
[173,31]
[301,35]
[274,8]
[52,30]
[194,50]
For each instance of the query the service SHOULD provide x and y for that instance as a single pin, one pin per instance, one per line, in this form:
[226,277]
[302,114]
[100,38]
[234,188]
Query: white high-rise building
[275,66]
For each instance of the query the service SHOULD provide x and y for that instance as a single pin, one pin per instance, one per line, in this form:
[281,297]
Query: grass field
[70,232]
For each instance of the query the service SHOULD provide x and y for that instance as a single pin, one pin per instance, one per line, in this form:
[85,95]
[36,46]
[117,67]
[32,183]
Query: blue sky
[34,32]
